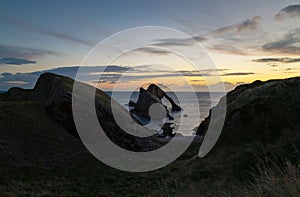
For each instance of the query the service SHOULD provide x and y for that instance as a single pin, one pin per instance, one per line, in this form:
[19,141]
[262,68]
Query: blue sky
[249,38]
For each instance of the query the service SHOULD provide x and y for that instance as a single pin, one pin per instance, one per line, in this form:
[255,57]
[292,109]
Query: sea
[195,105]
[195,108]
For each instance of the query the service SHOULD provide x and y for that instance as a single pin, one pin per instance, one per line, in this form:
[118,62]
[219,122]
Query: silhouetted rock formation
[146,99]
[53,93]
[144,102]
[262,124]
[259,111]
[159,93]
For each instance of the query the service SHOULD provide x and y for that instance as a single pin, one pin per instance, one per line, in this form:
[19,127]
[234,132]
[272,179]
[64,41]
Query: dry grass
[275,181]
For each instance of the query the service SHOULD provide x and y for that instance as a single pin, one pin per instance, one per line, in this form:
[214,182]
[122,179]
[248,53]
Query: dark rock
[168,130]
[144,102]
[259,111]
[146,99]
[261,130]
[54,95]
[159,93]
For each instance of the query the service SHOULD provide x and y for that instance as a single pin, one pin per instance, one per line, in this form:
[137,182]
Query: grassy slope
[35,160]
[39,161]
[225,171]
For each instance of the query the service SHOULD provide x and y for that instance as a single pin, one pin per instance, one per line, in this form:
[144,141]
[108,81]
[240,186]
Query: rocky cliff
[44,114]
[262,123]
[37,130]
[260,111]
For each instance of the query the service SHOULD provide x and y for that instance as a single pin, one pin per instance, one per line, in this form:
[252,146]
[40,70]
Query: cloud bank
[283,60]
[288,44]
[291,11]
[246,25]
[109,74]
[15,61]
[38,29]
[24,52]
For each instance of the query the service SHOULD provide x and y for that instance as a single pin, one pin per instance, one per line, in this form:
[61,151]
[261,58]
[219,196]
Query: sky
[241,41]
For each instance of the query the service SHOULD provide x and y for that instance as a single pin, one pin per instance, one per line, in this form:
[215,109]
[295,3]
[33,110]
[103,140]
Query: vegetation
[256,155]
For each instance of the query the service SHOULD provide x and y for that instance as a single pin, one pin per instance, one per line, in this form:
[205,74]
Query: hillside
[41,153]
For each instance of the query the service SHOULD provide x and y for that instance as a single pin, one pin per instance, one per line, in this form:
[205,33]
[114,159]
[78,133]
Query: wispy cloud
[153,51]
[238,74]
[109,74]
[227,49]
[216,87]
[171,42]
[288,44]
[291,11]
[220,40]
[277,60]
[42,30]
[24,52]
[213,72]
[15,61]
[246,25]
[17,82]
[197,80]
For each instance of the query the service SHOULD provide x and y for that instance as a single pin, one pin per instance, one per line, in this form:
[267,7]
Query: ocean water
[195,107]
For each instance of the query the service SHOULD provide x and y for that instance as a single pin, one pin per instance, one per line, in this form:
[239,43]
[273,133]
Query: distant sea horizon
[195,105]
[191,102]
[109,92]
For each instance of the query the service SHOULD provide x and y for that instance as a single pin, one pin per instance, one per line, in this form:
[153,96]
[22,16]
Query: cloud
[216,87]
[291,69]
[38,29]
[177,42]
[283,60]
[224,40]
[291,11]
[194,73]
[109,74]
[170,42]
[24,52]
[214,70]
[288,44]
[153,51]
[17,82]
[203,72]
[238,74]
[200,38]
[197,80]
[246,25]
[15,61]
[8,80]
[227,49]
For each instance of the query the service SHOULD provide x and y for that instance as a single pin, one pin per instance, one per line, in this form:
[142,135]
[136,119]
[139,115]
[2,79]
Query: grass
[273,180]
[243,163]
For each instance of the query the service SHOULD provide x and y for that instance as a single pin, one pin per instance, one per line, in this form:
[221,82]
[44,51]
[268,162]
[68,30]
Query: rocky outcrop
[53,93]
[159,93]
[260,111]
[146,99]
[262,128]
[144,102]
